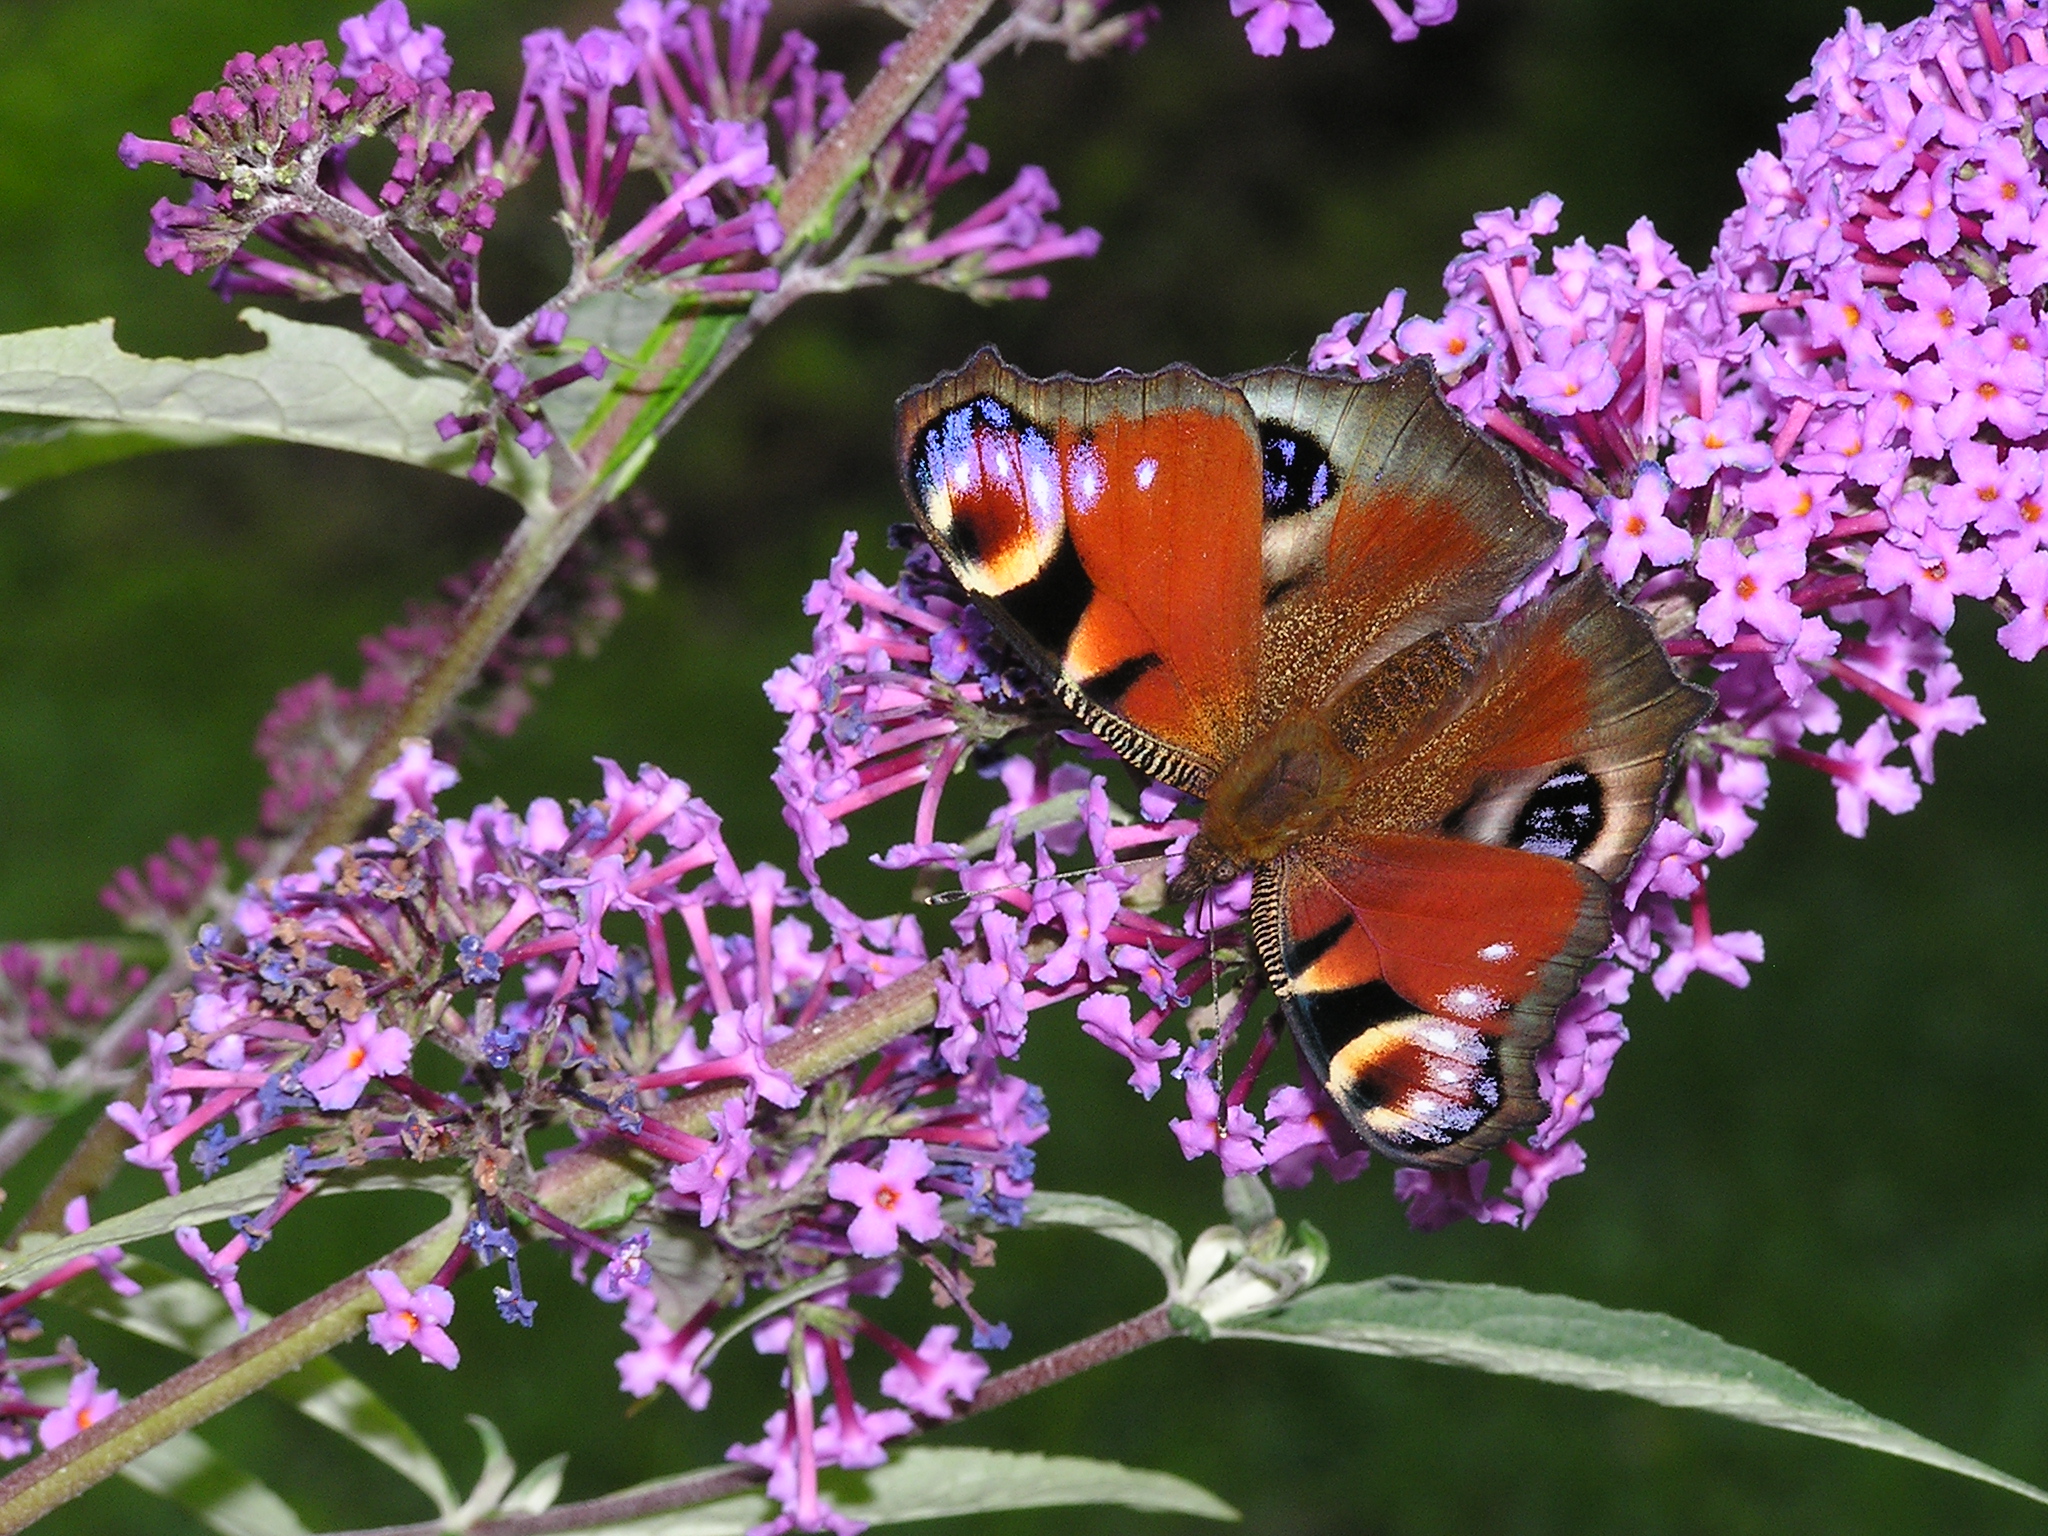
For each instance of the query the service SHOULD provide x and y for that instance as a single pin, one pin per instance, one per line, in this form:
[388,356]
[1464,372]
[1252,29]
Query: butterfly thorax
[1288,784]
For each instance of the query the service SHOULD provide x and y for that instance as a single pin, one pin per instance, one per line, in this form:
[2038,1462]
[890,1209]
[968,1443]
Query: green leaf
[47,450]
[240,1193]
[232,1194]
[930,1483]
[220,1495]
[313,384]
[189,1315]
[1562,1339]
[1113,1220]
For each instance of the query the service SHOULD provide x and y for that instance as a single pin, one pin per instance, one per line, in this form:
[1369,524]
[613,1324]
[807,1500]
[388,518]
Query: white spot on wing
[1086,479]
[1494,954]
[1148,471]
[1041,483]
[1470,1002]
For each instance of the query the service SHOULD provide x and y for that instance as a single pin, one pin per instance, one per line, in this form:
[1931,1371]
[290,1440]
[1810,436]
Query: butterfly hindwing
[1421,976]
[1426,940]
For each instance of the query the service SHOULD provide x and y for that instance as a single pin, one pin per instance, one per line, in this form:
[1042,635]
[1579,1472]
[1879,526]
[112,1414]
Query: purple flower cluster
[1797,460]
[500,943]
[699,102]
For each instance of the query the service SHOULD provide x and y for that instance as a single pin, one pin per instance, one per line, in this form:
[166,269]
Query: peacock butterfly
[1279,592]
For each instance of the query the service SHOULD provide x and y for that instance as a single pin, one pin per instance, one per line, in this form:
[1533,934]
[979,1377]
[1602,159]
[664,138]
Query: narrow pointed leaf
[672,357]
[220,1495]
[232,1194]
[1575,1343]
[1113,1220]
[931,1483]
[240,1193]
[313,384]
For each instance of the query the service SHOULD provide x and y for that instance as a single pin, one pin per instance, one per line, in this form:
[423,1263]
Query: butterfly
[1278,592]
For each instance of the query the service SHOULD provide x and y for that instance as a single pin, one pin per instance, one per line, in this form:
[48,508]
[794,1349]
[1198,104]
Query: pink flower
[1232,1133]
[1530,1179]
[1106,1017]
[667,1357]
[1935,570]
[1726,440]
[338,1077]
[1436,1197]
[935,1376]
[418,1318]
[413,778]
[84,1406]
[1861,778]
[2025,636]
[1568,378]
[888,1198]
[1749,589]
[1639,530]
[1270,19]
[710,1177]
[1699,948]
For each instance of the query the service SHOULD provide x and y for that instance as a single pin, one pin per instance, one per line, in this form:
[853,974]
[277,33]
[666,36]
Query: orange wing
[1111,530]
[1421,976]
[1387,519]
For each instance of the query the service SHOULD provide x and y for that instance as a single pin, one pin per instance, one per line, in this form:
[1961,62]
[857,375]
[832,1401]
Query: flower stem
[722,1482]
[1119,1339]
[225,1377]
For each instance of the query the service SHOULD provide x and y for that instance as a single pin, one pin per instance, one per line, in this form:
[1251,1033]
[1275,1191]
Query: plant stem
[1133,1333]
[207,1386]
[722,1482]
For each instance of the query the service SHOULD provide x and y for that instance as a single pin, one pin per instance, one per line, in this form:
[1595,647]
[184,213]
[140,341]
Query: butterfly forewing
[1422,524]
[1112,529]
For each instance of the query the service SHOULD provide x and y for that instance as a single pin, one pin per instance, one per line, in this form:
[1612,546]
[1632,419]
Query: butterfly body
[1279,594]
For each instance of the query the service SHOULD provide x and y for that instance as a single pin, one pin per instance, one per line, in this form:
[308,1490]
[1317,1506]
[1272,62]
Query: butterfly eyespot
[1145,472]
[1297,474]
[1562,817]
[1494,954]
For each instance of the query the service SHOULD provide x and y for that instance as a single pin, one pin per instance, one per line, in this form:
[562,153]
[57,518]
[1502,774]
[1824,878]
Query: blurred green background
[1836,1167]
